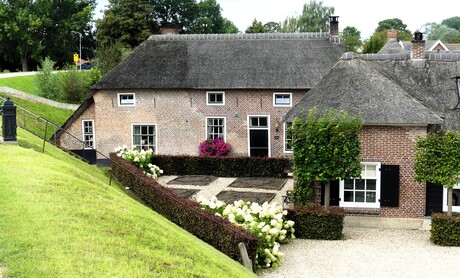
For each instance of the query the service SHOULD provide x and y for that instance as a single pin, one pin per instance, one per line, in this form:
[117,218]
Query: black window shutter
[389,186]
[335,189]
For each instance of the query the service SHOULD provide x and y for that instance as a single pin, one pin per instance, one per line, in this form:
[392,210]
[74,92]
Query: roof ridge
[429,56]
[252,36]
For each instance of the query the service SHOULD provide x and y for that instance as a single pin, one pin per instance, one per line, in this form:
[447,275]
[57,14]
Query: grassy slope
[59,217]
[21,83]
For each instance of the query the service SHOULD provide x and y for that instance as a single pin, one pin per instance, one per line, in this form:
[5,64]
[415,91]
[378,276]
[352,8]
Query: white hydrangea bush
[141,159]
[266,221]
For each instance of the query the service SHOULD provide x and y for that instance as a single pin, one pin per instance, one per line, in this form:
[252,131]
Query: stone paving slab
[259,183]
[185,193]
[198,180]
[231,196]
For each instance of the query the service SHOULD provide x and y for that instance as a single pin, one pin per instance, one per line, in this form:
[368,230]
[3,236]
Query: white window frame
[378,178]
[120,102]
[265,128]
[84,134]
[444,199]
[215,103]
[224,129]
[155,134]
[282,104]
[286,150]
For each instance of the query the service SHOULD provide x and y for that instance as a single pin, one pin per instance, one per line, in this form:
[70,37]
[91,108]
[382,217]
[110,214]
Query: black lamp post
[8,120]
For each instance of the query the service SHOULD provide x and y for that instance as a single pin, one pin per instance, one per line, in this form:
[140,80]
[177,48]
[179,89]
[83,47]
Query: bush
[445,230]
[222,166]
[215,230]
[267,222]
[72,85]
[47,82]
[316,223]
[140,159]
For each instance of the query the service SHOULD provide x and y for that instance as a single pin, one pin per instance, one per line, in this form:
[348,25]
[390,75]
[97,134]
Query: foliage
[314,18]
[352,39]
[108,56]
[214,230]
[126,22]
[324,148]
[47,82]
[140,159]
[209,19]
[73,85]
[259,27]
[55,204]
[222,166]
[442,32]
[392,24]
[30,29]
[230,27]
[452,22]
[437,160]
[214,147]
[266,221]
[445,230]
[375,43]
[316,223]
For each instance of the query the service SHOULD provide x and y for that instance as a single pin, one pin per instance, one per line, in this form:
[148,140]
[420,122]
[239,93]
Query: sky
[361,14]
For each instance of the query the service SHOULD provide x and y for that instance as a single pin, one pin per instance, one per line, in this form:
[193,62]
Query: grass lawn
[60,218]
[21,83]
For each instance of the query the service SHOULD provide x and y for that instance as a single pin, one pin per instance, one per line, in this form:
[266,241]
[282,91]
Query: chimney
[418,46]
[334,26]
[392,35]
[170,28]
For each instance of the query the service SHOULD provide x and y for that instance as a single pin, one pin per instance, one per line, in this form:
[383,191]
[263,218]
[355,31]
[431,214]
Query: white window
[144,137]
[215,128]
[455,199]
[282,99]
[364,191]
[287,138]
[128,99]
[215,98]
[88,133]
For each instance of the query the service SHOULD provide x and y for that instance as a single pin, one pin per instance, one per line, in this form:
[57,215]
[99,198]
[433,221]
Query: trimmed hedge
[215,230]
[316,223]
[445,230]
[222,166]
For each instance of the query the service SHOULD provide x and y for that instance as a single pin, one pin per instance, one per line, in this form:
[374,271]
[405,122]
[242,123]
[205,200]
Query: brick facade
[395,146]
[180,119]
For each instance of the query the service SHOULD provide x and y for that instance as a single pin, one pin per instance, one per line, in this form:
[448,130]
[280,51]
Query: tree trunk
[327,195]
[449,202]
[24,59]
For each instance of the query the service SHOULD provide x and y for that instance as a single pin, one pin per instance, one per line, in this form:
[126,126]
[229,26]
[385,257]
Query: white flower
[248,218]
[274,231]
[290,223]
[261,225]
[281,237]
[266,228]
[274,222]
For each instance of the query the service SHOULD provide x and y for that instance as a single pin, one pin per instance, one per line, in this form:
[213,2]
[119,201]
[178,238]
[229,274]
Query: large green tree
[325,148]
[352,39]
[442,32]
[452,22]
[30,30]
[437,160]
[392,24]
[314,18]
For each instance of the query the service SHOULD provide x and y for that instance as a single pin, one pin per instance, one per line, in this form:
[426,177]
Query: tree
[230,27]
[452,22]
[392,24]
[109,55]
[209,19]
[437,160]
[325,149]
[352,39]
[442,32]
[127,22]
[314,18]
[256,27]
[178,12]
[375,42]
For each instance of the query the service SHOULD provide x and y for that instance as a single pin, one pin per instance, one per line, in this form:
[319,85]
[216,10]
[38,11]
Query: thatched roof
[388,91]
[238,61]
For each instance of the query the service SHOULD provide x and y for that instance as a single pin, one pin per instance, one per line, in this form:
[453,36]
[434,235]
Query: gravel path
[368,253]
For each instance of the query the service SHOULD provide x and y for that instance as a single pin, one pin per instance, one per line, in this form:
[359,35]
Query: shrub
[187,214]
[72,85]
[140,159]
[445,230]
[214,147]
[223,166]
[266,222]
[316,223]
[47,82]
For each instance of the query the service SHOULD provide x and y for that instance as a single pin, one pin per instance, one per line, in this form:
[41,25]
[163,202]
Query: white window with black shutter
[377,187]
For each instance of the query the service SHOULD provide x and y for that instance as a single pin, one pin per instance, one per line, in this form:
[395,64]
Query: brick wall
[395,146]
[418,50]
[180,118]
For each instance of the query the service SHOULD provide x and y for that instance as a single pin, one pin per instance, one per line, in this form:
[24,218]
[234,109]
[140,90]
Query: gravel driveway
[369,253]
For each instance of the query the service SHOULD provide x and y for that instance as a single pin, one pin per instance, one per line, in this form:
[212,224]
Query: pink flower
[214,147]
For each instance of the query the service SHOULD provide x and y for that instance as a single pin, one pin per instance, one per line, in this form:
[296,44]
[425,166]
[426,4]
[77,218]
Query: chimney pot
[170,28]
[392,35]
[334,26]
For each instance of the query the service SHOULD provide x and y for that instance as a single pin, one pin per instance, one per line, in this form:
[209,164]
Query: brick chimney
[418,46]
[334,26]
[392,35]
[170,28]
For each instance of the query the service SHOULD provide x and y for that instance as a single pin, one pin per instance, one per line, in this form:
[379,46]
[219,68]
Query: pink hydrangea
[214,147]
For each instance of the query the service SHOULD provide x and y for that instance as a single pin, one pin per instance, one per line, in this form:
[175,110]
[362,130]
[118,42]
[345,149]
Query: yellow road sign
[75,57]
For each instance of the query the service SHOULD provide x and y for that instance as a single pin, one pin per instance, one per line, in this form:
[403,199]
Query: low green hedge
[222,166]
[445,230]
[316,223]
[215,230]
